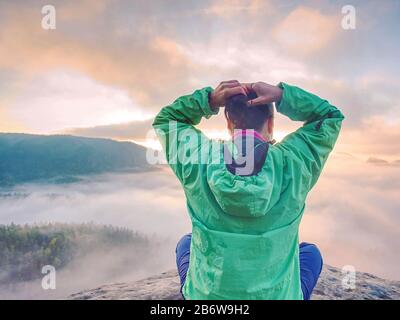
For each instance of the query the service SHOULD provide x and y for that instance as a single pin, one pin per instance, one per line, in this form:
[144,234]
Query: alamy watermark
[49,17]
[348,277]
[189,146]
[49,280]
[349,17]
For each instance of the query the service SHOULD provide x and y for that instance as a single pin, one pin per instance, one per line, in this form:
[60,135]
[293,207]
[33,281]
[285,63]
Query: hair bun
[244,117]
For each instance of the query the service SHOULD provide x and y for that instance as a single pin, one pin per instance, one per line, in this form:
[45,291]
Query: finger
[257,101]
[229,81]
[234,91]
[248,85]
[246,90]
[230,85]
[227,84]
[250,88]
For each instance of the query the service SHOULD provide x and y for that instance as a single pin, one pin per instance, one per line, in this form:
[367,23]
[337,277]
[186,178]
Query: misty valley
[25,249]
[55,196]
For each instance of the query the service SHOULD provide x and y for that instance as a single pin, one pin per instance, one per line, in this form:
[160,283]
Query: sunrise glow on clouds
[109,67]
[70,100]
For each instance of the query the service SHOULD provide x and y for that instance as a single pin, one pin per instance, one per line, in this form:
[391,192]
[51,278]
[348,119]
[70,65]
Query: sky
[109,66]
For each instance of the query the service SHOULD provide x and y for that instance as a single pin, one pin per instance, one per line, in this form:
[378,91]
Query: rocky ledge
[165,286]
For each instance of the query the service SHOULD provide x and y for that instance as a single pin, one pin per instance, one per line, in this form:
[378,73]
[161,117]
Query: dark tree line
[25,249]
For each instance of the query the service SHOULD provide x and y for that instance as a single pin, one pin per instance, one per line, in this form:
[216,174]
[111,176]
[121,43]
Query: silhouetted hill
[25,157]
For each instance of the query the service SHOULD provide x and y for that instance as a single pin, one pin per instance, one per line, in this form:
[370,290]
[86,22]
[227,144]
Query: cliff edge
[165,286]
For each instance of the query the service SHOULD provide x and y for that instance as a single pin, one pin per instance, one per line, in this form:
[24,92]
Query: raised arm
[178,119]
[175,123]
[312,143]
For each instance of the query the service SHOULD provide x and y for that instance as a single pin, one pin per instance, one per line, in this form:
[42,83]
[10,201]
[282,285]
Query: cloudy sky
[110,65]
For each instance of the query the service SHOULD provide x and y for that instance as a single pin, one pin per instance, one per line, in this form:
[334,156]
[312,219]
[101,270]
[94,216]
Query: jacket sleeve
[311,144]
[181,141]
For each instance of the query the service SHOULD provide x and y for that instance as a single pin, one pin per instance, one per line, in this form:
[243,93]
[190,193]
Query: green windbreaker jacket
[245,228]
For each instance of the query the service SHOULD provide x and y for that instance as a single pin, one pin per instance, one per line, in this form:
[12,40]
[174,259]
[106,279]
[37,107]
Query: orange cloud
[7,124]
[232,8]
[86,9]
[305,30]
[376,137]
[149,68]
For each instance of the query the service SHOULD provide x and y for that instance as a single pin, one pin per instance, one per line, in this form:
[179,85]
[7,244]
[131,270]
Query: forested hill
[25,157]
[25,249]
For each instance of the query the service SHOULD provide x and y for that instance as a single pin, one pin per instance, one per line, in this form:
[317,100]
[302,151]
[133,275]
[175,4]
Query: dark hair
[244,117]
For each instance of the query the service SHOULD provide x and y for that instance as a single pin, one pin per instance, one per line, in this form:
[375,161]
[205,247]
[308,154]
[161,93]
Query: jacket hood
[242,182]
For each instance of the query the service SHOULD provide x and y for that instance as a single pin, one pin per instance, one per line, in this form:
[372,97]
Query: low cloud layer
[125,200]
[353,215]
[121,200]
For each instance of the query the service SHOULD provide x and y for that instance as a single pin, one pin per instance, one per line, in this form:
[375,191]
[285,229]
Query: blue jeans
[310,264]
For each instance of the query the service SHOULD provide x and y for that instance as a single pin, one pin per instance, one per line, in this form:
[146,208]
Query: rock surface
[165,286]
